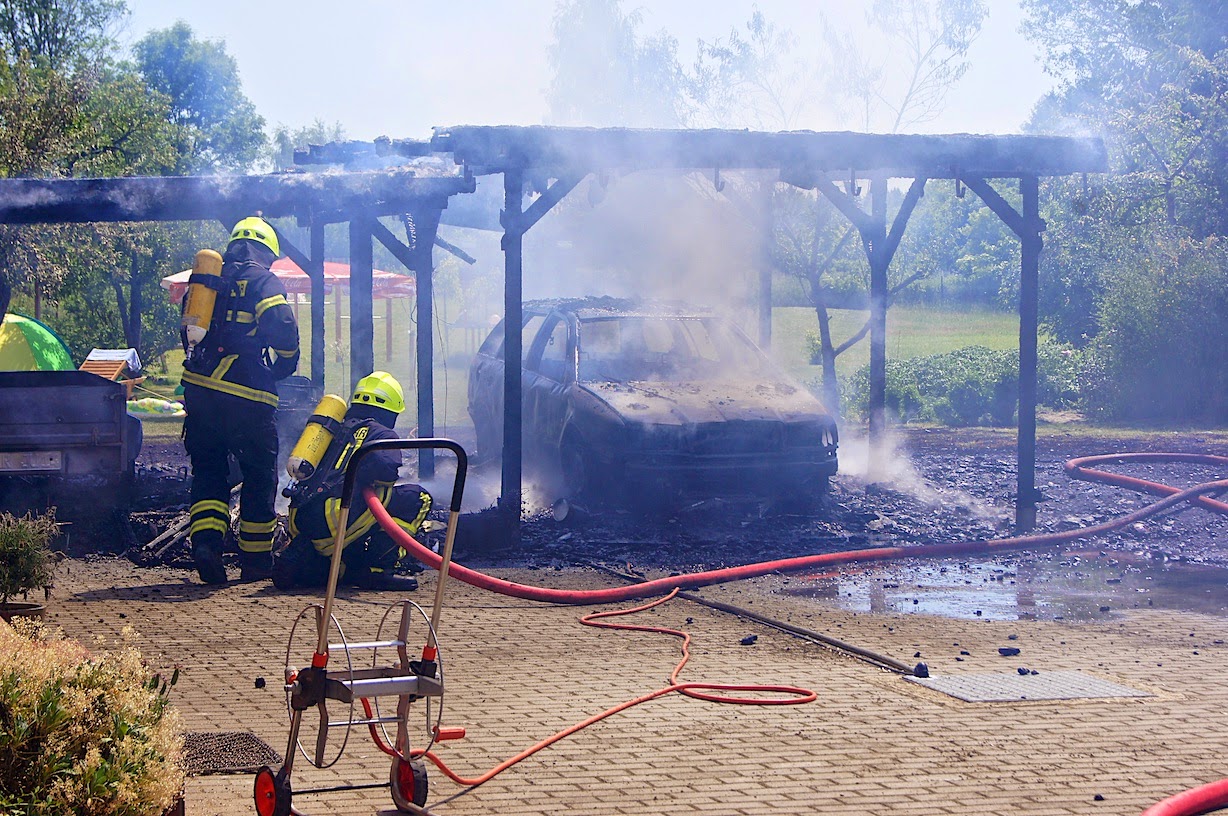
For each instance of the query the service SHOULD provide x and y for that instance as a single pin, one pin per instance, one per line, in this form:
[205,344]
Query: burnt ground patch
[942,485]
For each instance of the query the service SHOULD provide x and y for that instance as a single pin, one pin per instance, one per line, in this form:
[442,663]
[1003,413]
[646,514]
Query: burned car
[631,398]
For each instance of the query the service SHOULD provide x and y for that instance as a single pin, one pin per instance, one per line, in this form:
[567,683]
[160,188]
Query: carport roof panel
[495,149]
[325,196]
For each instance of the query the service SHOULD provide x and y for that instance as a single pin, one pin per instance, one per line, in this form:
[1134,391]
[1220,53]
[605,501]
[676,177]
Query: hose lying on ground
[693,580]
[1191,803]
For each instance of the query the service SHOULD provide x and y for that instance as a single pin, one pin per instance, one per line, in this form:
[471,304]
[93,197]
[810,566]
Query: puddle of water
[1074,586]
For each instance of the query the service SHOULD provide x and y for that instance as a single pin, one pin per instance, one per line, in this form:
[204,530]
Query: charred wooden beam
[804,154]
[351,151]
[313,196]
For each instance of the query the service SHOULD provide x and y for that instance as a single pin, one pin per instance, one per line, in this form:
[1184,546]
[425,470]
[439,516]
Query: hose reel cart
[408,680]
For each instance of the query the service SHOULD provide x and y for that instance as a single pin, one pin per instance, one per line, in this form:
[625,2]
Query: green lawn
[911,332]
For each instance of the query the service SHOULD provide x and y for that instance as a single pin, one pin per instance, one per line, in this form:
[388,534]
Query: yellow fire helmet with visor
[380,390]
[255,228]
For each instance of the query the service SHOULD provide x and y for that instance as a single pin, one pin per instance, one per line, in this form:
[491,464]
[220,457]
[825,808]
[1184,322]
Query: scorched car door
[547,373]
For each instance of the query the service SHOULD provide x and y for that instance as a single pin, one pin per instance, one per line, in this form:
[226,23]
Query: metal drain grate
[211,752]
[1002,688]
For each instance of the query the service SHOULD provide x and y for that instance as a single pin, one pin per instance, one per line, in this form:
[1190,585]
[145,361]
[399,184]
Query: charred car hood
[693,403]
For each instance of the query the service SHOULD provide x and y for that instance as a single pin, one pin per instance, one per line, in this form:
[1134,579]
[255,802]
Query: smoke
[886,464]
[661,234]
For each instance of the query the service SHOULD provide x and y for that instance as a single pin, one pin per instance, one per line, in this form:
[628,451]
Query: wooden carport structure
[554,160]
[316,200]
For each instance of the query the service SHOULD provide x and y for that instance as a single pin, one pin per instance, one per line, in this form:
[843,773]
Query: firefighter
[230,395]
[370,555]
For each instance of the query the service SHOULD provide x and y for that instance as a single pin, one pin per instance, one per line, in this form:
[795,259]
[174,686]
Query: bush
[969,386]
[1163,328]
[83,734]
[26,560]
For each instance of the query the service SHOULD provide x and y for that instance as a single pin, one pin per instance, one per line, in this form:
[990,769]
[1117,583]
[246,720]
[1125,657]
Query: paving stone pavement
[517,671]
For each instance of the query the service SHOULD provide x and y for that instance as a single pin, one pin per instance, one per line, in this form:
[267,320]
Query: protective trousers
[367,549]
[217,426]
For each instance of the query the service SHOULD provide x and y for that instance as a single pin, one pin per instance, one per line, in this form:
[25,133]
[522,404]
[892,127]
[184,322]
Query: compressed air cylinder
[198,311]
[317,435]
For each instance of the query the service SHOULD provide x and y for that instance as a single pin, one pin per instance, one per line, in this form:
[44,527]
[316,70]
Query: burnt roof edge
[318,196]
[494,149]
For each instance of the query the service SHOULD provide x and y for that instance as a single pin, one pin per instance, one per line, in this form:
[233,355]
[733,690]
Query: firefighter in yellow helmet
[370,556]
[230,395]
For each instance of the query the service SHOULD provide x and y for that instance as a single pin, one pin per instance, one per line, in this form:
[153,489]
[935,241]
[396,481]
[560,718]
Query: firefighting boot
[380,580]
[207,554]
[255,566]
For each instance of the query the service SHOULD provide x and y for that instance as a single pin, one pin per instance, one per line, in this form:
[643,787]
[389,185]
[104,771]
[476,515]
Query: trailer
[67,442]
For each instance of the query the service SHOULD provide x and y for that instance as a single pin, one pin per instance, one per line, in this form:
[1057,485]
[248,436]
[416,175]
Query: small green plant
[26,559]
[83,733]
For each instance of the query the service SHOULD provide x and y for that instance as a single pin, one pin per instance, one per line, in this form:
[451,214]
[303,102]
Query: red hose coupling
[445,734]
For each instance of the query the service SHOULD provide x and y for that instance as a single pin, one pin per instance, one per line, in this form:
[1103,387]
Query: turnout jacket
[252,341]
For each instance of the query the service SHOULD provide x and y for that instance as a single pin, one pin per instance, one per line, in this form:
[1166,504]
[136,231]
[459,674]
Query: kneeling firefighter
[240,338]
[370,555]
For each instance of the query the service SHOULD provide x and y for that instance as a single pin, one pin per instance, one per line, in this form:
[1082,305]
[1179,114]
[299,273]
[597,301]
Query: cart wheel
[408,784]
[272,793]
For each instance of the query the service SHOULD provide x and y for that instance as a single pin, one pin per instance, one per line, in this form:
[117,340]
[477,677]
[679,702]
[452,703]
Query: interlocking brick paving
[517,671]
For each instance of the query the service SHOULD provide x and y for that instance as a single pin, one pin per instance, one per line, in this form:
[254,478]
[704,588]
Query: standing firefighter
[369,555]
[230,395]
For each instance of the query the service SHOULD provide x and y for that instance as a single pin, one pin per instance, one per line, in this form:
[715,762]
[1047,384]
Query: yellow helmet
[256,229]
[380,389]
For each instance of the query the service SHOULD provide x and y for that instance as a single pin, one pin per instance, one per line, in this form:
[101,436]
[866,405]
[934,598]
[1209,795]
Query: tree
[72,109]
[59,34]
[933,36]
[280,152]
[1152,76]
[753,79]
[606,74]
[1134,270]
[219,128]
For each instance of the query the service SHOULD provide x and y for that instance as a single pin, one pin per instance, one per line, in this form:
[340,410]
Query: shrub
[1163,328]
[26,560]
[969,386]
[81,733]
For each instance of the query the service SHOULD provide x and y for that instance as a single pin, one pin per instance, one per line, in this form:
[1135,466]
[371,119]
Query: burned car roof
[607,306]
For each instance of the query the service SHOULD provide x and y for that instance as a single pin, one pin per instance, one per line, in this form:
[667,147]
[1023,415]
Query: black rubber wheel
[576,478]
[408,783]
[272,793]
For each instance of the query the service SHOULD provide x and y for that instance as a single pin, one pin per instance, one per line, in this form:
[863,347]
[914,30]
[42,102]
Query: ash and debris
[944,485]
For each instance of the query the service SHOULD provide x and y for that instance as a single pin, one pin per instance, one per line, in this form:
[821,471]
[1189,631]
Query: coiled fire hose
[1207,798]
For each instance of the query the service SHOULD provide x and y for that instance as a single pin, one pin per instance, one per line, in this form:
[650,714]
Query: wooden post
[876,240]
[387,329]
[513,266]
[316,273]
[765,264]
[426,223]
[362,322]
[1029,273]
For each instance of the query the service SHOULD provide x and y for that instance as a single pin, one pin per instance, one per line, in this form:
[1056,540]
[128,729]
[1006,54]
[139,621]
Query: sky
[398,68]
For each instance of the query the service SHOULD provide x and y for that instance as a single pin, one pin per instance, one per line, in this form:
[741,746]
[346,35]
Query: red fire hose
[1190,803]
[1205,799]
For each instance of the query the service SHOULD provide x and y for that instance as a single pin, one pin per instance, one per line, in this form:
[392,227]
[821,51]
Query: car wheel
[577,479]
